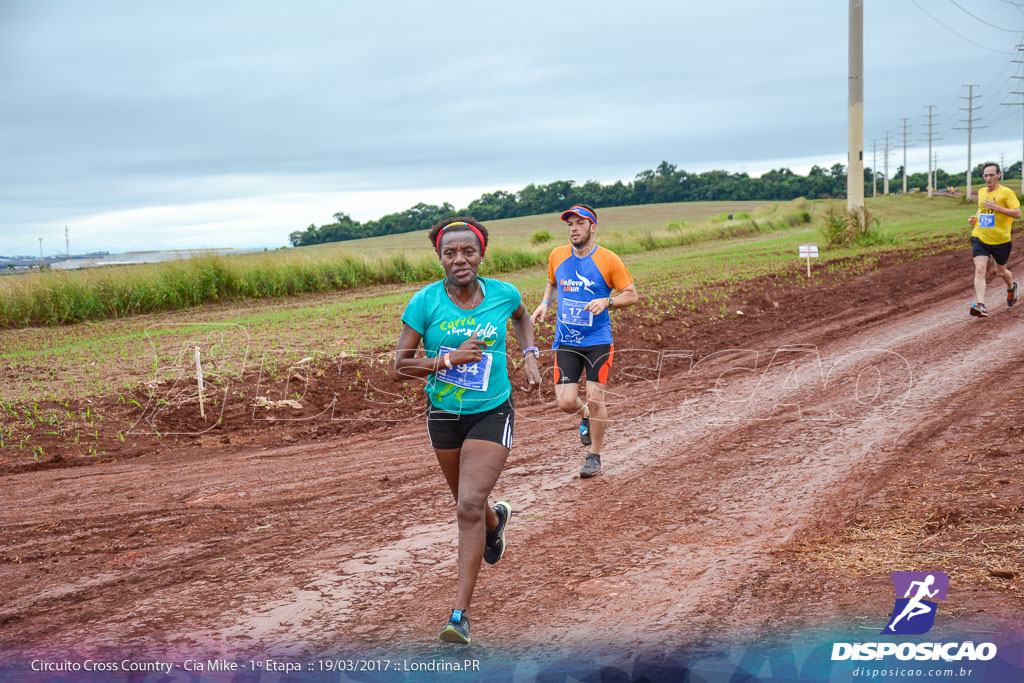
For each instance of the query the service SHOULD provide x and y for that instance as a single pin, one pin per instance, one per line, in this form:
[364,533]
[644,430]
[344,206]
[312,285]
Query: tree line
[666,183]
[943,179]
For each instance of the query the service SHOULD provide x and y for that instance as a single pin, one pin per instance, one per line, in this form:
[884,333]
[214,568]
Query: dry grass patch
[970,526]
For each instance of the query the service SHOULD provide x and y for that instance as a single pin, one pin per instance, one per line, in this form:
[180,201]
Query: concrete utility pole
[970,129]
[905,154]
[67,244]
[42,261]
[874,167]
[885,162]
[855,113]
[931,182]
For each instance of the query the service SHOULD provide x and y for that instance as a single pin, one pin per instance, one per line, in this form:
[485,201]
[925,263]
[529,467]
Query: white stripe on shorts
[506,439]
[428,426]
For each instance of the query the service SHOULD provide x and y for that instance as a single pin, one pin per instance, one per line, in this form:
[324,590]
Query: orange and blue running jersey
[579,281]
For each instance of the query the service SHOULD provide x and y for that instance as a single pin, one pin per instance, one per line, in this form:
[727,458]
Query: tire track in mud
[295,549]
[722,510]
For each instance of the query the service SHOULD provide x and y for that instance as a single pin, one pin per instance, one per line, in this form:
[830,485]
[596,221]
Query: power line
[1004,115]
[1008,79]
[1018,6]
[930,184]
[885,162]
[970,129]
[984,47]
[985,88]
[1010,61]
[1021,104]
[1008,30]
[952,105]
[905,119]
[874,168]
[998,85]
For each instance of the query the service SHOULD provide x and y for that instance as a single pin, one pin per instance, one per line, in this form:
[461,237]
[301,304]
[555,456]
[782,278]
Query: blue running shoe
[457,629]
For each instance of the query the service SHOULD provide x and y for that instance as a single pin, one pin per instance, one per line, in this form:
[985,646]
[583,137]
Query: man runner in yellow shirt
[997,207]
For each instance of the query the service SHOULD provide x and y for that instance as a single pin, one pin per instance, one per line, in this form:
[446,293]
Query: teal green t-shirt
[470,388]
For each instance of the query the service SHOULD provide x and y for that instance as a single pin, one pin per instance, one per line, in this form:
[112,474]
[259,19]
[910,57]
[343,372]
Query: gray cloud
[106,106]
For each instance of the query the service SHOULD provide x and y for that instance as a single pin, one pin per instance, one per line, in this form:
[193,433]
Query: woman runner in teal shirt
[462,322]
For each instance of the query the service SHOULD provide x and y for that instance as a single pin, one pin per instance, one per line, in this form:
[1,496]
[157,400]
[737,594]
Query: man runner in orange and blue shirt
[585,276]
[997,207]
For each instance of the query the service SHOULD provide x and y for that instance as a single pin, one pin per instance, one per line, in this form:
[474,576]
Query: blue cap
[582,213]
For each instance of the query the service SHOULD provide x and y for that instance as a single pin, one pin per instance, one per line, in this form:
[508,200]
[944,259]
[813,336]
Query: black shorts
[571,360]
[1000,252]
[447,430]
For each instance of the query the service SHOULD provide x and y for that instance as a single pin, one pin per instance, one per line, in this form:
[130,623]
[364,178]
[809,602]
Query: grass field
[110,356]
[515,232]
[58,298]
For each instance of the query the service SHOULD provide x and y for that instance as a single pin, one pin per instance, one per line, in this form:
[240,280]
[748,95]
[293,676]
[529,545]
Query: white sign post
[199,381]
[808,251]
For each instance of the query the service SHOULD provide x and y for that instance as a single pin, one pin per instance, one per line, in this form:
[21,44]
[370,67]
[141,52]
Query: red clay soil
[867,414]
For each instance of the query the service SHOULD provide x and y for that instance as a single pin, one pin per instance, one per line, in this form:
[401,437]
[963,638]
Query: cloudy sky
[150,125]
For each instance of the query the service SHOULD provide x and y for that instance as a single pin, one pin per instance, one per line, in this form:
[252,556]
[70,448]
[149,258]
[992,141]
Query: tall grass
[64,297]
[845,228]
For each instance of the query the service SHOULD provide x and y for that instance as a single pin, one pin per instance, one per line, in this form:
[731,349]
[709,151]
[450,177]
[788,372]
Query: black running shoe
[591,466]
[1011,295]
[456,631]
[979,310]
[585,431]
[495,546]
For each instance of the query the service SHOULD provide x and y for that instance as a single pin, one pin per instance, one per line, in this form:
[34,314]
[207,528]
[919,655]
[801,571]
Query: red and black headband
[460,224]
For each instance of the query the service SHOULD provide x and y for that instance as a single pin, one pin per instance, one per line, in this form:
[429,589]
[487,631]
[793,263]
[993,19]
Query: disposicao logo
[913,613]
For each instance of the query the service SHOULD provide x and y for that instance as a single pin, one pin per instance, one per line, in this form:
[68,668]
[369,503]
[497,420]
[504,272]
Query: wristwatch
[531,349]
[610,302]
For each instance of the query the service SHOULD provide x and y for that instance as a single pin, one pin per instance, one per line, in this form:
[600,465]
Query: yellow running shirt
[992,227]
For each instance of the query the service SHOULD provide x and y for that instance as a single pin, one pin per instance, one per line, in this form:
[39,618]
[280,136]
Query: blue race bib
[469,375]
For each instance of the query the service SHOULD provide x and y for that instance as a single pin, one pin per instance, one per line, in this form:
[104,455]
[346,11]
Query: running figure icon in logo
[914,613]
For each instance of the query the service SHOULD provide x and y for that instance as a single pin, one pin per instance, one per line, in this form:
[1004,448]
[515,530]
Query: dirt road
[755,438]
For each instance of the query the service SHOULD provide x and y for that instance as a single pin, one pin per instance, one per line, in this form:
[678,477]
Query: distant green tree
[665,183]
[298,238]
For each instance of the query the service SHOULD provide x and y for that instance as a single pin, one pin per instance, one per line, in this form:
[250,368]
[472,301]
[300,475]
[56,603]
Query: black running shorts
[1000,252]
[448,430]
[571,360]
